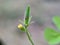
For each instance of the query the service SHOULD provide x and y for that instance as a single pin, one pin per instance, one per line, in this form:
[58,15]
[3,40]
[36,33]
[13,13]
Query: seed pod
[27,16]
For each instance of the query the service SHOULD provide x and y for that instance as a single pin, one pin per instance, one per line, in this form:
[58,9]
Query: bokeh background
[11,11]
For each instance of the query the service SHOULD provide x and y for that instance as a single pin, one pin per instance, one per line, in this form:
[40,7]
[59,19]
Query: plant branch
[29,37]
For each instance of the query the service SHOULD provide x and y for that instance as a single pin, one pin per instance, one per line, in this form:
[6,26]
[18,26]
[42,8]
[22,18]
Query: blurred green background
[42,12]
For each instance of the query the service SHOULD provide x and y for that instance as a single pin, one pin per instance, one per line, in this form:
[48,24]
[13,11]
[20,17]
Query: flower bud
[21,27]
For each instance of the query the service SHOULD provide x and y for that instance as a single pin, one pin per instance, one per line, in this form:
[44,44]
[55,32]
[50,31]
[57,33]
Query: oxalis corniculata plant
[27,21]
[52,35]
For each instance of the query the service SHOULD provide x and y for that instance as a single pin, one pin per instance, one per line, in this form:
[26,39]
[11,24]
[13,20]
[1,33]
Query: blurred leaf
[56,21]
[52,36]
[21,22]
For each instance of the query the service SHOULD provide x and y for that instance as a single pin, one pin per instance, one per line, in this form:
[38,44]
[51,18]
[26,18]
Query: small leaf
[21,22]
[27,15]
[56,21]
[52,36]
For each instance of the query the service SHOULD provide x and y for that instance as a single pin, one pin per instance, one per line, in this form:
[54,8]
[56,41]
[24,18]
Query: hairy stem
[29,37]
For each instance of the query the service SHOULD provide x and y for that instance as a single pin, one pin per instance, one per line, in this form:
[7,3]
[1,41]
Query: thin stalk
[29,37]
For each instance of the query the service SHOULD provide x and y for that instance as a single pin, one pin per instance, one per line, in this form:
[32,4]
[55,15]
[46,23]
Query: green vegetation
[51,35]
[26,23]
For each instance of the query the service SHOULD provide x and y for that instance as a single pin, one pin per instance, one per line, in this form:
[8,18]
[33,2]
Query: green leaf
[52,36]
[27,15]
[56,21]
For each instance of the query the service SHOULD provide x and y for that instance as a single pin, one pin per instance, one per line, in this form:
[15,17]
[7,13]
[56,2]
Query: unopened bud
[21,27]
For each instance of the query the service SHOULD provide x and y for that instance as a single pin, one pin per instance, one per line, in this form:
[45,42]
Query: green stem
[29,37]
